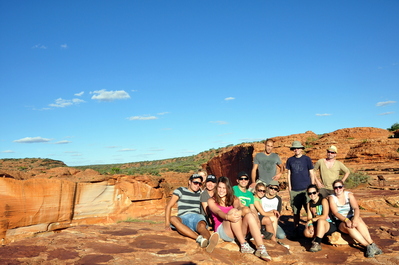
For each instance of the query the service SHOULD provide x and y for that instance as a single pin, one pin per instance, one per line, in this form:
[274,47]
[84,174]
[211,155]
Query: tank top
[317,208]
[217,220]
[346,209]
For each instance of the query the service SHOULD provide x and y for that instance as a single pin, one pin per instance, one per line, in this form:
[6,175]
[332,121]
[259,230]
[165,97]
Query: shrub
[356,178]
[394,127]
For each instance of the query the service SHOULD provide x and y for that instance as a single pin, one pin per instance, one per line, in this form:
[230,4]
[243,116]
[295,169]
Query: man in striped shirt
[189,222]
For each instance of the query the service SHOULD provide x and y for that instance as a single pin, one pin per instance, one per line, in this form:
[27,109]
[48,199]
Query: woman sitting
[318,218]
[229,222]
[346,210]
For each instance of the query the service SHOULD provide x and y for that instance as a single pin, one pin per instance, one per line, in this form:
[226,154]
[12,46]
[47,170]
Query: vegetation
[355,179]
[394,127]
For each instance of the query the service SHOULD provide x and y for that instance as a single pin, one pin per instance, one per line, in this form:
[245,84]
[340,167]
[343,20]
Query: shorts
[326,192]
[191,220]
[222,234]
[298,199]
[338,222]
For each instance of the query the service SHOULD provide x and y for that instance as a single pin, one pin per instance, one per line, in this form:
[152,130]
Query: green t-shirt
[246,198]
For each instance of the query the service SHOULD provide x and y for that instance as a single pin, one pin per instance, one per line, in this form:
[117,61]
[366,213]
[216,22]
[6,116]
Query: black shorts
[332,229]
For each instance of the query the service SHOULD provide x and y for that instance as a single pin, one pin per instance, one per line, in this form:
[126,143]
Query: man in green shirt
[329,169]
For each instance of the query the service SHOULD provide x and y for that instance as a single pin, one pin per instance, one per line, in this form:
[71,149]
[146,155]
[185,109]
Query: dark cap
[211,178]
[196,176]
[242,173]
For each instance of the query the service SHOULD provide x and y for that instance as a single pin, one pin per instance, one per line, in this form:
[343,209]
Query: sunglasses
[276,189]
[243,178]
[331,152]
[261,190]
[338,187]
[312,193]
[197,183]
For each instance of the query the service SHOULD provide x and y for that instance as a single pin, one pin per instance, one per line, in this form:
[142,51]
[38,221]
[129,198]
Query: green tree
[394,127]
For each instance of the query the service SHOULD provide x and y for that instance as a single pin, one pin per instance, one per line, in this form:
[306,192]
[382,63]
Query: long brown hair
[229,192]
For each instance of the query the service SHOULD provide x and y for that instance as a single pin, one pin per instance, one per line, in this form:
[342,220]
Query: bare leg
[201,229]
[322,228]
[250,222]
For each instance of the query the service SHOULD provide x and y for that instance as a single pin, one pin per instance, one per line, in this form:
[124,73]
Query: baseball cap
[211,178]
[242,173]
[273,183]
[196,176]
[333,148]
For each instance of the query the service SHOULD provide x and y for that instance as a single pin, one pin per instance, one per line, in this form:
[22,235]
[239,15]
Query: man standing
[329,169]
[300,176]
[266,164]
[189,222]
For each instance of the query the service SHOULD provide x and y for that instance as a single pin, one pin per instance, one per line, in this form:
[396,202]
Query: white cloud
[62,103]
[7,151]
[127,150]
[325,114]
[79,94]
[104,95]
[163,113]
[32,140]
[384,103]
[63,142]
[64,46]
[39,46]
[386,113]
[220,122]
[229,98]
[142,118]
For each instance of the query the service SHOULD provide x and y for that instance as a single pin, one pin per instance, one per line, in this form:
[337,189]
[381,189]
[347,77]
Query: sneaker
[315,247]
[284,245]
[203,242]
[212,242]
[377,250]
[246,248]
[262,253]
[370,251]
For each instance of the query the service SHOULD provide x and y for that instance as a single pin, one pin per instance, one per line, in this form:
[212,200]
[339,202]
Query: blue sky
[101,82]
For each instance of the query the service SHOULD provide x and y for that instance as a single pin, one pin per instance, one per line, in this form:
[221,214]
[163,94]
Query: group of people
[240,212]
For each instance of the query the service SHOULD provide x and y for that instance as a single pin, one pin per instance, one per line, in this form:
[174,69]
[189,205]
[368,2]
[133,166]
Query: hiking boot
[377,250]
[370,251]
[212,242]
[203,242]
[315,247]
[284,245]
[262,253]
[246,248]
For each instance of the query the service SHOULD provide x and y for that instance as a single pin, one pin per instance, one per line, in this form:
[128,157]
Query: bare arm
[168,210]
[312,177]
[259,208]
[253,175]
[280,173]
[346,176]
[356,210]
[289,179]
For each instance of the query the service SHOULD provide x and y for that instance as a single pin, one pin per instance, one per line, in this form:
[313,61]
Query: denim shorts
[223,235]
[191,220]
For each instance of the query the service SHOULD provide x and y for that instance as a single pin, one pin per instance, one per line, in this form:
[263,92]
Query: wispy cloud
[107,96]
[63,142]
[126,150]
[62,103]
[142,118]
[115,146]
[163,113]
[220,122]
[32,140]
[79,94]
[64,46]
[39,46]
[229,98]
[325,114]
[386,113]
[384,103]
[7,151]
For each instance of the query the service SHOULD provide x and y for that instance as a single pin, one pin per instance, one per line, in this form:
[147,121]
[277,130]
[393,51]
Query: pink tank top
[216,219]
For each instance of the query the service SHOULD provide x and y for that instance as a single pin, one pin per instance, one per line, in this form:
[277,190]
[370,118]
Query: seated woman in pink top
[229,222]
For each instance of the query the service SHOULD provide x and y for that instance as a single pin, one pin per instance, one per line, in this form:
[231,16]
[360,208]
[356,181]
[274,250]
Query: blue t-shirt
[300,176]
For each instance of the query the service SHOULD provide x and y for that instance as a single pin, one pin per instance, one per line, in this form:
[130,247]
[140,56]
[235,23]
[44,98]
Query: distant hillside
[26,164]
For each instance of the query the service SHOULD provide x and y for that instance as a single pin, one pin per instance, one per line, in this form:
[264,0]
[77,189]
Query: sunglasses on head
[197,183]
[261,190]
[338,187]
[273,188]
[312,193]
[331,152]
[242,178]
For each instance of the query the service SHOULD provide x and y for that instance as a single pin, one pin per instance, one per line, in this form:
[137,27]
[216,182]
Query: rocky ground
[144,241]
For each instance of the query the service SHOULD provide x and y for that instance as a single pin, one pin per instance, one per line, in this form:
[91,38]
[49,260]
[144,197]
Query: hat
[211,178]
[296,144]
[196,176]
[273,183]
[333,148]
[242,173]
